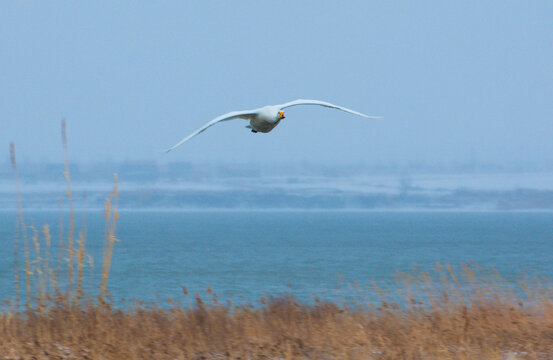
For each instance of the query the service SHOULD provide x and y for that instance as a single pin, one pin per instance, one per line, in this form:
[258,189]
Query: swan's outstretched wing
[246,114]
[325,104]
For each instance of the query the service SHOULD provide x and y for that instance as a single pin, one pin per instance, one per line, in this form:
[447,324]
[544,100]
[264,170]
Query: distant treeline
[147,171]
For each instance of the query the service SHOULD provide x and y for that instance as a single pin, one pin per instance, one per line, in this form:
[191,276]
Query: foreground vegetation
[487,326]
[449,313]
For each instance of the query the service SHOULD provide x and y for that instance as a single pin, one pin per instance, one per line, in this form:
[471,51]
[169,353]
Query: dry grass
[445,314]
[486,327]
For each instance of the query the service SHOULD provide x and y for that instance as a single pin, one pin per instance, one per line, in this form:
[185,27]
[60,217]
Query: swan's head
[280,115]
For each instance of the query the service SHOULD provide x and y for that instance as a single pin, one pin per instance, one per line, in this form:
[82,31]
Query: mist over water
[182,185]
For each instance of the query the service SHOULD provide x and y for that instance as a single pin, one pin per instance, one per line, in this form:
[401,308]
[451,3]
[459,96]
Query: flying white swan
[266,118]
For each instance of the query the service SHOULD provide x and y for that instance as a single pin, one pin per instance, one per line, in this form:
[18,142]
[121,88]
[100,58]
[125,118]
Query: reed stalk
[81,257]
[71,231]
[21,225]
[80,263]
[16,262]
[48,273]
[110,216]
[37,266]
[60,248]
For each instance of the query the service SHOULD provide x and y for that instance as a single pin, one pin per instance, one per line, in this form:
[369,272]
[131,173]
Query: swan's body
[265,118]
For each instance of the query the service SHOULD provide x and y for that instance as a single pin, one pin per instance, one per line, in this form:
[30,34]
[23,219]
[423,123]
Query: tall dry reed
[23,231]
[110,216]
[19,224]
[69,193]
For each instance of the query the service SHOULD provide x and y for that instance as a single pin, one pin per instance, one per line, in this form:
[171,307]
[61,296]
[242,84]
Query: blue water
[242,254]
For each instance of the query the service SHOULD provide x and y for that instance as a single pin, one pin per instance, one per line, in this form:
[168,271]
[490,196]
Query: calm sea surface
[242,254]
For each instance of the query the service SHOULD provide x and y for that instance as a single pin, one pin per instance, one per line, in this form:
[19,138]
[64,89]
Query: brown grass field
[486,326]
[464,313]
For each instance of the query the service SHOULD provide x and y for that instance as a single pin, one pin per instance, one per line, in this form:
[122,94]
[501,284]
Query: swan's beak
[281,115]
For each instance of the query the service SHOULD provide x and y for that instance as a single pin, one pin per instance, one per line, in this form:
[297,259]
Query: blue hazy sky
[455,80]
